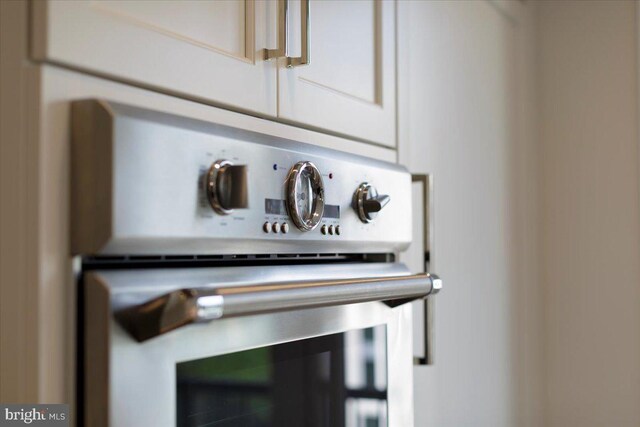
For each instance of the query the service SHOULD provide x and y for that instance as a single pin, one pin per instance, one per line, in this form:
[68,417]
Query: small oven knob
[226,187]
[367,202]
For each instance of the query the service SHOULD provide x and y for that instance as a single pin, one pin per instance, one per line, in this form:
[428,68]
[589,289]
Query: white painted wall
[465,111]
[537,212]
[590,223]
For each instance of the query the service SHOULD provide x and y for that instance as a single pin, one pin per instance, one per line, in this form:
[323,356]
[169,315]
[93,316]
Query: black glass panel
[329,381]
[275,207]
[331,211]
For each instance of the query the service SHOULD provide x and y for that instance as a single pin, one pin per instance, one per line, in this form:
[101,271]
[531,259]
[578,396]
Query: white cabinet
[349,85]
[213,52]
[206,50]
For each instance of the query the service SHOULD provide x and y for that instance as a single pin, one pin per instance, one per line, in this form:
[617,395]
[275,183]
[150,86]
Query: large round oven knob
[226,187]
[367,202]
[305,195]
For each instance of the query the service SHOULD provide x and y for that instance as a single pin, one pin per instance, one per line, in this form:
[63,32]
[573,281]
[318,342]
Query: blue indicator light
[275,167]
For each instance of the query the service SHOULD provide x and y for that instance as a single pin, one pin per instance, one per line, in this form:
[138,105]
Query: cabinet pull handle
[429,302]
[283,35]
[283,19]
[304,58]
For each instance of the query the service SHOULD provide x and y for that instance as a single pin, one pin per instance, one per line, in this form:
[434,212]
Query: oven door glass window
[333,380]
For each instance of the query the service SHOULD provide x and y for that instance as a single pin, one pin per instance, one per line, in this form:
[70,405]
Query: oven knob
[305,195]
[367,202]
[226,187]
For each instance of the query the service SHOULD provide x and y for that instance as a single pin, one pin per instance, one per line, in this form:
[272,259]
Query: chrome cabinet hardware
[282,51]
[429,304]
[185,306]
[283,19]
[305,41]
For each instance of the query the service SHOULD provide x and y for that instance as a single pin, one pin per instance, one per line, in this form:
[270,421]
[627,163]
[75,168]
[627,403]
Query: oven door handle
[184,306]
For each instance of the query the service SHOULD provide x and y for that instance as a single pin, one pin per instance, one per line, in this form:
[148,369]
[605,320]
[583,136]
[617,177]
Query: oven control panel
[149,182]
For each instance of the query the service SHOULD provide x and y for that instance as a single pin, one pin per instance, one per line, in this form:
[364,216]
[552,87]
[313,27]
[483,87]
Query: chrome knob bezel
[211,185]
[293,181]
[364,193]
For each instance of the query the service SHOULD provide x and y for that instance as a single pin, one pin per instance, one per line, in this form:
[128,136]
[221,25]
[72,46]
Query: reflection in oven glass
[329,381]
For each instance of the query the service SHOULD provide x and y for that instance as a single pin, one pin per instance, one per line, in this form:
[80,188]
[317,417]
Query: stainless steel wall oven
[231,278]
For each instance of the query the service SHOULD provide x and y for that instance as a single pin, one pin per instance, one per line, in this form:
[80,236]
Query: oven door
[321,352]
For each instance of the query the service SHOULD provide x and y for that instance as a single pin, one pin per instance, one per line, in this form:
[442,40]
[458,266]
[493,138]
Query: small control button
[323,229]
[337,230]
[331,230]
[284,228]
[275,227]
[266,227]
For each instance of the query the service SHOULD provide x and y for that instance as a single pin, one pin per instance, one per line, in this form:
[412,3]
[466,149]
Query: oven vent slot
[169,261]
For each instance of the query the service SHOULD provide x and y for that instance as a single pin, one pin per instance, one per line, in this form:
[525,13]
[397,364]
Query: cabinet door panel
[206,50]
[221,26]
[349,86]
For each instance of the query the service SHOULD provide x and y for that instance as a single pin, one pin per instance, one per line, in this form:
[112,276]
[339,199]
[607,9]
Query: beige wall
[589,212]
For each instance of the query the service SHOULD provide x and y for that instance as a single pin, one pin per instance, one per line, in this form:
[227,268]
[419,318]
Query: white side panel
[464,108]
[21,379]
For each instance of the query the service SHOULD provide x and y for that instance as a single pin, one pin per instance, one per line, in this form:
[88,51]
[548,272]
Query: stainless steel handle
[429,303]
[283,19]
[283,35]
[304,58]
[185,306]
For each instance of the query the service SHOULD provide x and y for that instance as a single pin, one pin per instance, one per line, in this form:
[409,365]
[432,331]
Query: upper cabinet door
[206,50]
[349,85]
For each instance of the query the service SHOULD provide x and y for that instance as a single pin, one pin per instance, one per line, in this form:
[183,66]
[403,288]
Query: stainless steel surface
[283,19]
[368,202]
[429,305]
[184,306]
[145,183]
[120,373]
[138,189]
[305,195]
[226,187]
[305,39]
